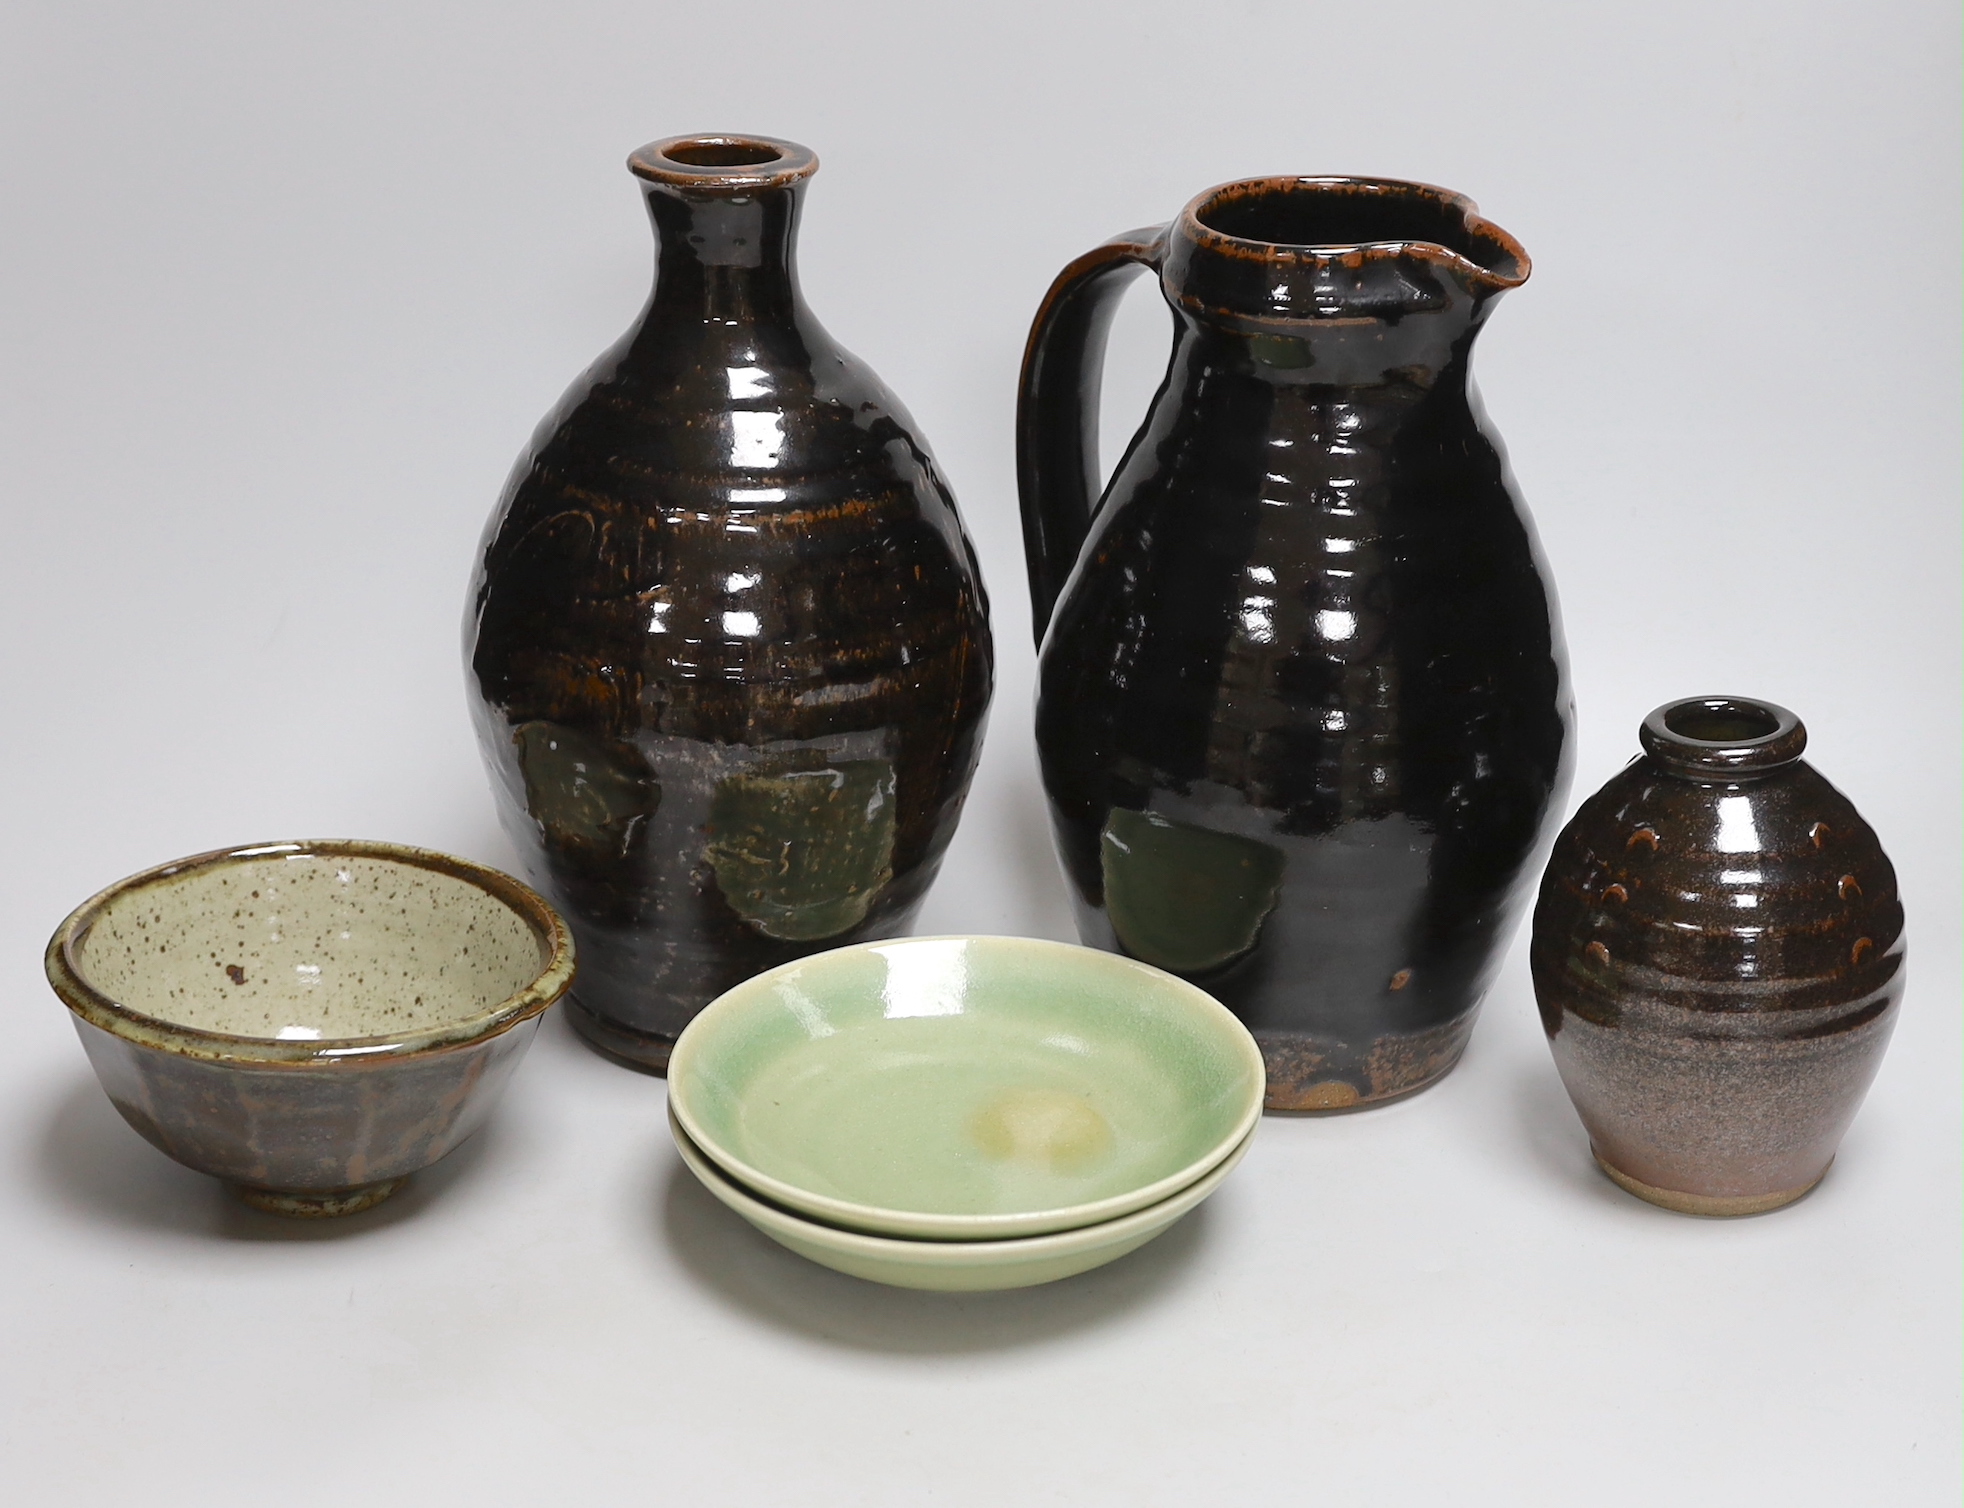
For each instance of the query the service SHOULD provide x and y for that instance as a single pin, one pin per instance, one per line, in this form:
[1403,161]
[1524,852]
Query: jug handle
[1057,409]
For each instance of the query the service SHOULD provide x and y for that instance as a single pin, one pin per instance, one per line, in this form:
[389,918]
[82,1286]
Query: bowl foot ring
[1719,1205]
[318,1204]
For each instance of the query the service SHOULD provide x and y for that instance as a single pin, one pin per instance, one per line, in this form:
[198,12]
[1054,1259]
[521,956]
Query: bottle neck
[726,257]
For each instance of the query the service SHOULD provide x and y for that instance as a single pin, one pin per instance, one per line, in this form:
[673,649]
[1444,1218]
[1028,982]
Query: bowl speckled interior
[299,944]
[965,1088]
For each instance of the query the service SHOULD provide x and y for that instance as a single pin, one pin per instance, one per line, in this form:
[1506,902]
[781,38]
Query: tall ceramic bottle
[1302,710]
[728,641]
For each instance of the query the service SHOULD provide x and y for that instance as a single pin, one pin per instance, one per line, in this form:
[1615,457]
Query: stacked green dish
[964,1112]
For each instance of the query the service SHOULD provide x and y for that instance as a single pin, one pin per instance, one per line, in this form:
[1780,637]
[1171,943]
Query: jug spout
[1365,279]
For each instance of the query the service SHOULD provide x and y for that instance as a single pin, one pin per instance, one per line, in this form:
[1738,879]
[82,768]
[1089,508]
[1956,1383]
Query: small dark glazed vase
[1718,957]
[727,639]
[1302,711]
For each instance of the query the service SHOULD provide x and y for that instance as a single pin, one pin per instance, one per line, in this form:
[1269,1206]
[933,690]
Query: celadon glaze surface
[958,1266]
[966,1087]
[300,946]
[309,1022]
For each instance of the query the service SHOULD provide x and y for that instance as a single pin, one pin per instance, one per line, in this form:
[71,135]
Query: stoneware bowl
[957,1266]
[309,1022]
[965,1088]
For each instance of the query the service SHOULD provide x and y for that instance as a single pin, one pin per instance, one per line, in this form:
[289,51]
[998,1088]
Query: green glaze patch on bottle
[581,792]
[801,854]
[1184,897]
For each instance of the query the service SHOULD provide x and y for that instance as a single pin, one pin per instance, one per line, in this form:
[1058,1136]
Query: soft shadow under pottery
[1718,957]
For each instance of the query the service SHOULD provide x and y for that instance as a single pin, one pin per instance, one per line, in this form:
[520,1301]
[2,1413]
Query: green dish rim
[917,1225]
[945,1254]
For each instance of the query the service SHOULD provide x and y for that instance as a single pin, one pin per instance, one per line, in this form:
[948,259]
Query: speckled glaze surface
[965,1088]
[727,641]
[1718,956]
[957,1266]
[309,1022]
[1302,713]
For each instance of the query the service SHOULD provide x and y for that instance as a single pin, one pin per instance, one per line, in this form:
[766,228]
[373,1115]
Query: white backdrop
[285,290]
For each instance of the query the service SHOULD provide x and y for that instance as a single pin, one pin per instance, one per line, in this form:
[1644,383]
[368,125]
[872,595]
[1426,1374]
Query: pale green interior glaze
[299,947]
[965,1077]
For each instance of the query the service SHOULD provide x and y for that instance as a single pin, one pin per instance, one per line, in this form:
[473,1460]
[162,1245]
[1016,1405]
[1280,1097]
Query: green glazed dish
[957,1266]
[965,1088]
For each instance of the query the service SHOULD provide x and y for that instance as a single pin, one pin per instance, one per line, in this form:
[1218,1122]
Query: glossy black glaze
[727,638]
[1718,956]
[1303,712]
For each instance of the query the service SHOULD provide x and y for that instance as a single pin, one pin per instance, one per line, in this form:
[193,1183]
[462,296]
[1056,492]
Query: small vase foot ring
[643,1051]
[309,1204]
[1718,1205]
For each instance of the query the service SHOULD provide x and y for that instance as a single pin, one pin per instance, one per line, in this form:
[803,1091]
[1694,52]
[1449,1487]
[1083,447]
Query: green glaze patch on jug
[1184,897]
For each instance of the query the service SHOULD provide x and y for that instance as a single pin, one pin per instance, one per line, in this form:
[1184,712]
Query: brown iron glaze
[727,639]
[1718,957]
[331,1139]
[320,1127]
[1302,711]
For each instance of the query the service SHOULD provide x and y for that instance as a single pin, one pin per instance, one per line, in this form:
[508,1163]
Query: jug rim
[1504,263]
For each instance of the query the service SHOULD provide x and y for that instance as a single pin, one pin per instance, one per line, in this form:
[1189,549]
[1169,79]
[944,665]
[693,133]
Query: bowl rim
[930,1253]
[925,1225]
[90,1004]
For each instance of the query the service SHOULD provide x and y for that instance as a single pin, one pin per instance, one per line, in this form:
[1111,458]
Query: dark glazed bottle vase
[1302,710]
[1718,956]
[728,640]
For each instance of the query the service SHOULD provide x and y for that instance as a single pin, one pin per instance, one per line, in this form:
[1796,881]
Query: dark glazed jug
[1302,709]
[1718,955]
[728,640]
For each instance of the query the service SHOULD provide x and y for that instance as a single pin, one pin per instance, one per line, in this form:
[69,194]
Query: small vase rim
[1722,735]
